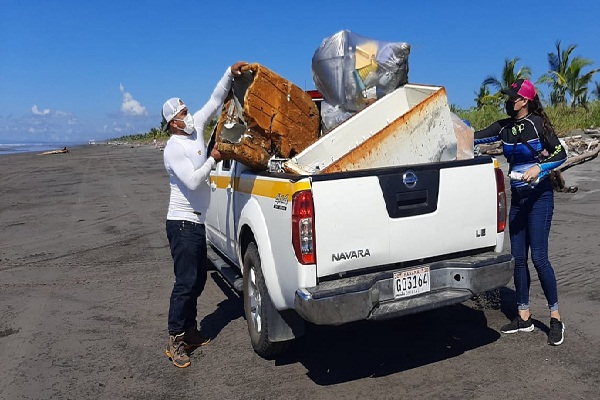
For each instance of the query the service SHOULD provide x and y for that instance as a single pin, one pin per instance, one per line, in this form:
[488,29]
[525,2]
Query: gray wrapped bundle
[352,71]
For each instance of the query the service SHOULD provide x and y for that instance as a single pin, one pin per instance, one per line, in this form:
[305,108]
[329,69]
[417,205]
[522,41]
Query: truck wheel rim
[255,302]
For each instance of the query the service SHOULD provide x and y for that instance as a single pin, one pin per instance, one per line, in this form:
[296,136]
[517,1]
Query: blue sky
[77,70]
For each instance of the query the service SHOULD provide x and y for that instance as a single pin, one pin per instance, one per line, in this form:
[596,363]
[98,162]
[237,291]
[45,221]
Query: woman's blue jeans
[188,249]
[530,217]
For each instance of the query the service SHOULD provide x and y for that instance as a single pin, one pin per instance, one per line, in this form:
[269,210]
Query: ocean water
[12,148]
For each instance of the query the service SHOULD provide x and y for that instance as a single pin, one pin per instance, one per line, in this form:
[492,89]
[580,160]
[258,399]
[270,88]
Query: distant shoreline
[39,148]
[25,148]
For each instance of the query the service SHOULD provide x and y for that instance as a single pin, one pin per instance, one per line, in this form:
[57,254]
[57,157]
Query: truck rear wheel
[258,305]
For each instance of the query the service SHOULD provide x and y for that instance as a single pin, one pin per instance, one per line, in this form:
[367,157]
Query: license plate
[411,282]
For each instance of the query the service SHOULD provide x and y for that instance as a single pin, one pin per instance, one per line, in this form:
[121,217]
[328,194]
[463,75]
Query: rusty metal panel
[411,125]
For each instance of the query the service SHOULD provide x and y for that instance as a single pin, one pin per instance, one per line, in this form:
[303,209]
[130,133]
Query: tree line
[568,83]
[160,133]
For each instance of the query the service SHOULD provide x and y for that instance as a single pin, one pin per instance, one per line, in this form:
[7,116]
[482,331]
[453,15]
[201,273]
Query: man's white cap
[171,108]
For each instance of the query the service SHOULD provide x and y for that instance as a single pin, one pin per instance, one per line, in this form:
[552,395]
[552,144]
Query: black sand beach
[85,276]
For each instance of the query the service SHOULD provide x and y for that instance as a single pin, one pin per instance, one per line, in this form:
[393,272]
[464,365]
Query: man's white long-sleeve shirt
[188,164]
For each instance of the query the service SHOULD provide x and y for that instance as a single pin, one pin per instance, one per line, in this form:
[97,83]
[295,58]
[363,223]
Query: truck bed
[411,125]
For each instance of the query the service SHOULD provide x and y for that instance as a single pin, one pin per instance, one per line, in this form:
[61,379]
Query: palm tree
[508,75]
[154,133]
[596,91]
[565,77]
[484,98]
[481,95]
[577,84]
[555,78]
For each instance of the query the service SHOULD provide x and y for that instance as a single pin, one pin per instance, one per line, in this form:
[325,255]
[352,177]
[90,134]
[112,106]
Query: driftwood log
[592,148]
[61,151]
[580,151]
[264,117]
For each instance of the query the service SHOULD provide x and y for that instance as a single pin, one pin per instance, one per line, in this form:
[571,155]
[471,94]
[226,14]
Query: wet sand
[85,276]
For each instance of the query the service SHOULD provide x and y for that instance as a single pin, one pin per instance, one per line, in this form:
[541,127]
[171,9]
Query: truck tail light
[501,194]
[303,227]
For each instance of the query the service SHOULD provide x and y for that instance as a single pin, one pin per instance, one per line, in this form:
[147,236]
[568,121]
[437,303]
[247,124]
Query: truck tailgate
[385,216]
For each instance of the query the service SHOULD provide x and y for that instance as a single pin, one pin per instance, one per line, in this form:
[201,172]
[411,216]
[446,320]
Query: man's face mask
[188,120]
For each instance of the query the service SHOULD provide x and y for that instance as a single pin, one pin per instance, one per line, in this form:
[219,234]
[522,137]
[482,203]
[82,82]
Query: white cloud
[37,111]
[131,106]
[38,123]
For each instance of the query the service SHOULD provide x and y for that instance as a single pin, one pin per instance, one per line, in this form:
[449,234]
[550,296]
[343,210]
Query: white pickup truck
[370,243]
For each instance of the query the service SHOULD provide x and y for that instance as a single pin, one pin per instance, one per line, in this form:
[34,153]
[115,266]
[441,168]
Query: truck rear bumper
[371,296]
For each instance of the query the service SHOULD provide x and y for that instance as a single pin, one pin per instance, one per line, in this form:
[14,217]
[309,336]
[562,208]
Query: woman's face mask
[509,105]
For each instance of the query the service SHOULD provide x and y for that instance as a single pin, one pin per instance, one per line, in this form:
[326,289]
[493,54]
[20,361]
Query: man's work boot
[176,351]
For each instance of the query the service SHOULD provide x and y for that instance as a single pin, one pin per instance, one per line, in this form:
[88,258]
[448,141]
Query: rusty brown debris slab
[278,119]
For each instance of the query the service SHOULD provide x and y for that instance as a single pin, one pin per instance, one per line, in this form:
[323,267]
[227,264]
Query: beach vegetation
[160,135]
[565,119]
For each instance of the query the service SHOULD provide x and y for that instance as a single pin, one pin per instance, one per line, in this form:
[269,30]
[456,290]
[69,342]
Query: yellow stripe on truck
[262,187]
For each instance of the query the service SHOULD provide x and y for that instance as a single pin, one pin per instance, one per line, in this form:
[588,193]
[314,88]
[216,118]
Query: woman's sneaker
[557,332]
[518,325]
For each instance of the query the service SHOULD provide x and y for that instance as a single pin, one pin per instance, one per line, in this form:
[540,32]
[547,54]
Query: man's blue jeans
[530,217]
[188,249]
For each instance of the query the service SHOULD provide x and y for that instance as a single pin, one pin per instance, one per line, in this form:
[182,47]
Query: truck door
[220,219]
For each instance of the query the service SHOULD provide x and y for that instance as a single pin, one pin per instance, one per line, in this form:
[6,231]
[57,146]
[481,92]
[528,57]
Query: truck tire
[257,306]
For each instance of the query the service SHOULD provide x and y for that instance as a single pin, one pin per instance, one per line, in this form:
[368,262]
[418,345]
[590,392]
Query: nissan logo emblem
[409,179]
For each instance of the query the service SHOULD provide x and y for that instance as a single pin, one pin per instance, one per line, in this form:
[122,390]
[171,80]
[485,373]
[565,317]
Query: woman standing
[532,150]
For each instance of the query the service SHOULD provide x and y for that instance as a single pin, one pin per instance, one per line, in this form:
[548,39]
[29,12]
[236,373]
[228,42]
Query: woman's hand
[532,174]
